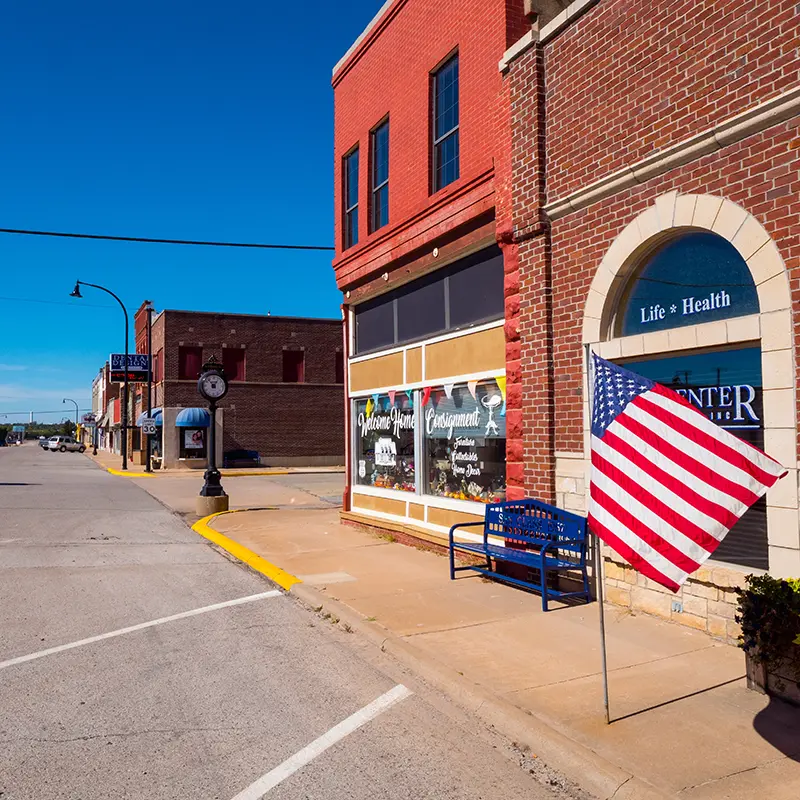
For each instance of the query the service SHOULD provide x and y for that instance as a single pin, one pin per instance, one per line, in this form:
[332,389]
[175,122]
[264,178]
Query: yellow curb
[284,579]
[127,474]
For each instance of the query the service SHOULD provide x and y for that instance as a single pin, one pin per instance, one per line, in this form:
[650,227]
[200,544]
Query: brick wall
[633,76]
[280,420]
[389,73]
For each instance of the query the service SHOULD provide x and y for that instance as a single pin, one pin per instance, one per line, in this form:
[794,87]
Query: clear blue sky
[178,119]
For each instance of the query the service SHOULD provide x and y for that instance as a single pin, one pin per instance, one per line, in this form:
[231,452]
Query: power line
[147,240]
[54,302]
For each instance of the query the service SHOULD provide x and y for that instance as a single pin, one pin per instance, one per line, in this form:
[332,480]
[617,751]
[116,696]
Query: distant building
[285,405]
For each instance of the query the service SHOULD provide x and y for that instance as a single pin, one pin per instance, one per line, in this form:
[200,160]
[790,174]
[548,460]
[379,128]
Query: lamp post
[68,400]
[76,292]
[148,438]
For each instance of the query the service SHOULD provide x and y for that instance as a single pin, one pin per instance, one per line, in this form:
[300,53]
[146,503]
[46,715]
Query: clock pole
[212,386]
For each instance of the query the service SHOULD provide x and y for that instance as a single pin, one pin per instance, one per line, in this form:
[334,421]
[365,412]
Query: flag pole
[598,556]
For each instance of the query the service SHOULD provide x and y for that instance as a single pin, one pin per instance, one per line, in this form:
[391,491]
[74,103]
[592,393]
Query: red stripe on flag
[686,493]
[703,439]
[638,528]
[630,555]
[670,515]
[690,464]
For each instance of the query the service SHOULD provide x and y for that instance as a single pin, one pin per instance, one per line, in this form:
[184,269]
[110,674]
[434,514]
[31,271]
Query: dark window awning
[193,418]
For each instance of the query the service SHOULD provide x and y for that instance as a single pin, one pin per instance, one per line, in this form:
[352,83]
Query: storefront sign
[699,277]
[730,406]
[396,420]
[138,366]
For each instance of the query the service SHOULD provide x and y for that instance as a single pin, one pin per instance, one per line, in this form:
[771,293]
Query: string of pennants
[374,402]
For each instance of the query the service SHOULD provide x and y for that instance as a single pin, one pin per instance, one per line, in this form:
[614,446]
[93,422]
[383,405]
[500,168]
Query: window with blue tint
[726,386]
[379,177]
[466,293]
[350,196]
[698,277]
[445,124]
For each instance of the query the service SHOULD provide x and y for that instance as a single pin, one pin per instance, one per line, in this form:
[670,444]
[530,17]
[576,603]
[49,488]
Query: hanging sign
[138,367]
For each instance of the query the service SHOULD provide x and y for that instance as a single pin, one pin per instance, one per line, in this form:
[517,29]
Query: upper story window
[696,277]
[444,95]
[350,195]
[233,363]
[294,366]
[466,293]
[190,362]
[379,176]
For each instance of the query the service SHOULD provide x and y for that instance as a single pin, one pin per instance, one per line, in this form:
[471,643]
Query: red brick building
[636,165]
[286,376]
[427,264]
[656,186]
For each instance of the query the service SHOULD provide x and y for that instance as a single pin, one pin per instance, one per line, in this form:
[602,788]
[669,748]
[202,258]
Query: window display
[465,441]
[385,442]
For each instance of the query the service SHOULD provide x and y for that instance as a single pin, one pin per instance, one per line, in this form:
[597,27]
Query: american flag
[667,484]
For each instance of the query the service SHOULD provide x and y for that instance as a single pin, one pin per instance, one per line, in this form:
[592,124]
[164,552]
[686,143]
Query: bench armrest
[464,525]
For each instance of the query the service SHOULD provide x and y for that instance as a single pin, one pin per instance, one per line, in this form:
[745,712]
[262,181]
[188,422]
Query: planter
[781,679]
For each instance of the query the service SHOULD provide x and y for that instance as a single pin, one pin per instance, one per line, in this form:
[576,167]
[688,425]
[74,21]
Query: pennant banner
[391,394]
[473,389]
[426,395]
[500,380]
[410,396]
[448,389]
[369,408]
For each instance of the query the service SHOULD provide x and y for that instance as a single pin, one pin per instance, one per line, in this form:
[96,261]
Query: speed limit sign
[149,427]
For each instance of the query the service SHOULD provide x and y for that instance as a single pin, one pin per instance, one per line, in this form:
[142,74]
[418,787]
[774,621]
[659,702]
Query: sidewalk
[685,724]
[113,461]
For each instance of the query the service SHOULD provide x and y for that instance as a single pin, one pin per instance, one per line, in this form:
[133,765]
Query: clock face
[213,386]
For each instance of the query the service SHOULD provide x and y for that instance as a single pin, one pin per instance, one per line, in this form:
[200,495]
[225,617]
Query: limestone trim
[772,328]
[733,129]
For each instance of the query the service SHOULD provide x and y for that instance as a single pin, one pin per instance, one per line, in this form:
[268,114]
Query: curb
[126,474]
[591,771]
[284,579]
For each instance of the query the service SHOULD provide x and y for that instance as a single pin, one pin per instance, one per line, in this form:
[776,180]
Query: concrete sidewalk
[113,462]
[684,723]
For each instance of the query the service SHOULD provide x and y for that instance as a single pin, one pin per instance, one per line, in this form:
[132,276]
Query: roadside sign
[88,419]
[138,364]
[149,427]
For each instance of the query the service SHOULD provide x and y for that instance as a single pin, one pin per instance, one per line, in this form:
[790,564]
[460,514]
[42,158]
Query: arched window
[694,278]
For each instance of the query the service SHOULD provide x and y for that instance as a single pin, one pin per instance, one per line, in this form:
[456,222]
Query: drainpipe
[347,434]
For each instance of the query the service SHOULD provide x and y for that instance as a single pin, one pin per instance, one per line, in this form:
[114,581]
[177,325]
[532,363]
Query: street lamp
[68,400]
[76,292]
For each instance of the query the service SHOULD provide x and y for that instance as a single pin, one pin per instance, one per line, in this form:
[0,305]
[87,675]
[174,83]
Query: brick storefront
[286,422]
[435,234]
[634,124]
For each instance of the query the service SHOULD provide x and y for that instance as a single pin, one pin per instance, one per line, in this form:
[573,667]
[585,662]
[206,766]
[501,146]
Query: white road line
[141,626]
[269,781]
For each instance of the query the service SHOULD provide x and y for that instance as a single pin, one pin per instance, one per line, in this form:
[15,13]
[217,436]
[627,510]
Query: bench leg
[543,578]
[452,564]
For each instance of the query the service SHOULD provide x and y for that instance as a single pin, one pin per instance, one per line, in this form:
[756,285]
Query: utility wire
[54,302]
[256,245]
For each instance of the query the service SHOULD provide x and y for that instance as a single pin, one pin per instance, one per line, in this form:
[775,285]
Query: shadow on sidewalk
[779,724]
[677,699]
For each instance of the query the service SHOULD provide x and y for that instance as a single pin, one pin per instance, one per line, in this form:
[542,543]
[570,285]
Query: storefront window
[384,428]
[193,442]
[465,442]
[726,386]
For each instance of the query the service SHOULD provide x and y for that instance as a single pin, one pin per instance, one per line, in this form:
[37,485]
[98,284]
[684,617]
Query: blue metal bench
[241,458]
[554,542]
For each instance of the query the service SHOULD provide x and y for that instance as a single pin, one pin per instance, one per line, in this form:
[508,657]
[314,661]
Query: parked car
[64,443]
[43,440]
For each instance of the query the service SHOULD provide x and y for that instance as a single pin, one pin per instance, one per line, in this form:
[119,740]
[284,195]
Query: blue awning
[155,414]
[193,418]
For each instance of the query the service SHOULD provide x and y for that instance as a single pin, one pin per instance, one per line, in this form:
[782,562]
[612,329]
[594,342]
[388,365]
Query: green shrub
[769,613]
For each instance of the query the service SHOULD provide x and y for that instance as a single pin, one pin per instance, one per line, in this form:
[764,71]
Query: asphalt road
[201,706]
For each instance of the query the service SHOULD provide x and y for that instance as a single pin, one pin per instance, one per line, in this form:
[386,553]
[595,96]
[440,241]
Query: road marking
[272,571]
[269,781]
[141,626]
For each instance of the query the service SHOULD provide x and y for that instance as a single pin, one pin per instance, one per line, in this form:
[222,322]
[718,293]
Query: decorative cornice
[756,119]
